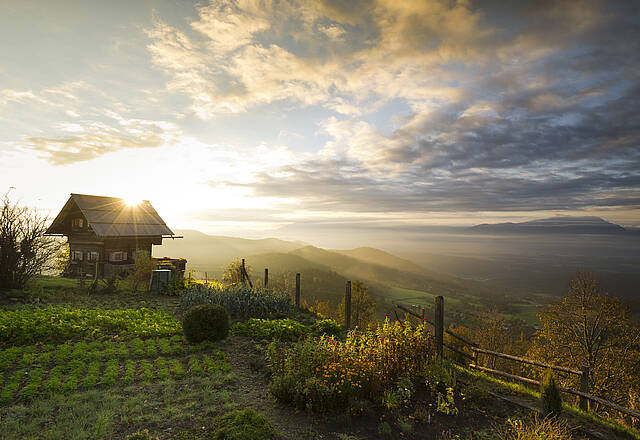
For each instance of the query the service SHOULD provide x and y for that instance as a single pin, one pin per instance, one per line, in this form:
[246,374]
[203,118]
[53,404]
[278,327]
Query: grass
[567,407]
[95,414]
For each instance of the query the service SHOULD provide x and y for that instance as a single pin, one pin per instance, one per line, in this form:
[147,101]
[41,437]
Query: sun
[131,201]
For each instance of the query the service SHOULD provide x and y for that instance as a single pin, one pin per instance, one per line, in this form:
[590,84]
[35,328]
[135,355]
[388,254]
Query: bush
[206,322]
[326,327]
[241,301]
[175,286]
[550,398]
[329,375]
[534,429]
[242,425]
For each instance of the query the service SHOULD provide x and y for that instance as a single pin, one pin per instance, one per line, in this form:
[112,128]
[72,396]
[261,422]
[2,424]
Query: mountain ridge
[565,225]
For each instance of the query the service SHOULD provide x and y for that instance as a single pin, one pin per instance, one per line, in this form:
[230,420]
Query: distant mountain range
[563,225]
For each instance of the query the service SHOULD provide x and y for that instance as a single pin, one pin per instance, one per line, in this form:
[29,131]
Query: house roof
[111,217]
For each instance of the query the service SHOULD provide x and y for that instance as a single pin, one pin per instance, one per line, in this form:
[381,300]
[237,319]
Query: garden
[230,362]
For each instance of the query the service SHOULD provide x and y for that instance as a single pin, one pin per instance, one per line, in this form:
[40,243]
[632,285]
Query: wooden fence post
[439,325]
[347,306]
[266,277]
[206,279]
[584,387]
[297,291]
[243,272]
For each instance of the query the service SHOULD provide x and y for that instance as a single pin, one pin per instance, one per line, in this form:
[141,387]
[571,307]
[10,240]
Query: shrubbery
[206,322]
[327,375]
[284,329]
[241,301]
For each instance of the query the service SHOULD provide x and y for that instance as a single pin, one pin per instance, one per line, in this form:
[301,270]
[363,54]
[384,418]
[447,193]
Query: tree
[24,250]
[363,309]
[142,269]
[589,327]
[233,272]
[61,259]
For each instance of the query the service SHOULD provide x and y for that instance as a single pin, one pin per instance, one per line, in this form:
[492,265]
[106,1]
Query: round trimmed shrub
[206,322]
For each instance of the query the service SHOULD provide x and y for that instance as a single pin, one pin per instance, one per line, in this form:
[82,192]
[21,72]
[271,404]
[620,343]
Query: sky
[278,118]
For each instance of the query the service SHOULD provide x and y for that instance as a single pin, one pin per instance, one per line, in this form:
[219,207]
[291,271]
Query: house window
[76,255]
[77,223]
[118,256]
[92,256]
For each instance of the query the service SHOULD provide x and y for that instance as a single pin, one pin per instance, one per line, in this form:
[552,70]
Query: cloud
[311,53]
[92,139]
[507,155]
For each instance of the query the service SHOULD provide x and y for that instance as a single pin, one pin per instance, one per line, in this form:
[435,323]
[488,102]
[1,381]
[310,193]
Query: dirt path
[253,391]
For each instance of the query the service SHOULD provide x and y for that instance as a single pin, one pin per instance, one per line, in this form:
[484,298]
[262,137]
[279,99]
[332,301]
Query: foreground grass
[572,410]
[167,406]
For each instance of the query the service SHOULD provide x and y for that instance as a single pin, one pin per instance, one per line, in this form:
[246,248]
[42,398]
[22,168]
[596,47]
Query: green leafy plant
[141,274]
[53,384]
[206,322]
[163,370]
[110,374]
[384,430]
[147,371]
[93,373]
[175,287]
[550,397]
[241,301]
[32,385]
[176,368]
[129,372]
[56,324]
[11,387]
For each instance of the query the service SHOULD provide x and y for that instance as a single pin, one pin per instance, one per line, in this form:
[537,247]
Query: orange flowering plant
[327,374]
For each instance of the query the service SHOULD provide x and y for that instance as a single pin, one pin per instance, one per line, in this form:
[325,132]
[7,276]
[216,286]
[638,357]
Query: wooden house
[104,233]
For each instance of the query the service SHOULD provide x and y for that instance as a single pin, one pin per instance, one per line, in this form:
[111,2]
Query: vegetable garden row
[62,350]
[25,384]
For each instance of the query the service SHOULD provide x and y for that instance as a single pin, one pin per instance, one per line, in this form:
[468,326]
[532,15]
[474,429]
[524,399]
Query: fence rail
[527,361]
[583,393]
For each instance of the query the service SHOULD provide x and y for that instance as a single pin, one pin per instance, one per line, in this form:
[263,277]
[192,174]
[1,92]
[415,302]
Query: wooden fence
[438,323]
[347,295]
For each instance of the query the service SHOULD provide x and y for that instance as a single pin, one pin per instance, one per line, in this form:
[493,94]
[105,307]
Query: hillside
[210,251]
[380,257]
[324,272]
[207,253]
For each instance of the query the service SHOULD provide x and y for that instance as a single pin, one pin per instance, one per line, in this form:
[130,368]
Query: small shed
[105,233]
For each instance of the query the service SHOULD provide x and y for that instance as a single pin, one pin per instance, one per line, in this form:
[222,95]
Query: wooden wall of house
[86,242]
